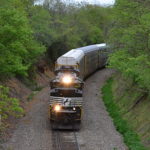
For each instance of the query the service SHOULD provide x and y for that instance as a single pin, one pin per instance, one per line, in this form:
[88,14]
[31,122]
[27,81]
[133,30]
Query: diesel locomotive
[66,94]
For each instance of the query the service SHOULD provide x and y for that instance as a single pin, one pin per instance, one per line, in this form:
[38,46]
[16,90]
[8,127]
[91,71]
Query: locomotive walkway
[97,131]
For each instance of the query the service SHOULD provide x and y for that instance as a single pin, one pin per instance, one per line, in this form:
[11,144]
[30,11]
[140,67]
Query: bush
[129,37]
[9,106]
[18,49]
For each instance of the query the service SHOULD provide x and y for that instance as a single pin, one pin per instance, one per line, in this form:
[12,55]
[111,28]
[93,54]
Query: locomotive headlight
[67,79]
[57,108]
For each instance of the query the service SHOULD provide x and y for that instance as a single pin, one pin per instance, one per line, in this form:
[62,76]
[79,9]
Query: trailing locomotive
[66,95]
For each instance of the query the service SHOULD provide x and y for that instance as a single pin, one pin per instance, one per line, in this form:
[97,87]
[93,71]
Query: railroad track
[65,140]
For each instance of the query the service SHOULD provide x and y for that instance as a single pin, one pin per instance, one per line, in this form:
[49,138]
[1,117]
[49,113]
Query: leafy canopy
[130,37]
[18,49]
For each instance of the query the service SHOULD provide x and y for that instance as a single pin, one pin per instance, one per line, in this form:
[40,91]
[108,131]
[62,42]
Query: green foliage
[9,106]
[130,40]
[40,19]
[136,68]
[131,139]
[56,25]
[62,27]
[18,49]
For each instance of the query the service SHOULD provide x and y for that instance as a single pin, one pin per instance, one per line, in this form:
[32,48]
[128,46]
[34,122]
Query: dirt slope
[97,133]
[135,106]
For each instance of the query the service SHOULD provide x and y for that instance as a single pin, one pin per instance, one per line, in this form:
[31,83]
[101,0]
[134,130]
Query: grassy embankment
[121,120]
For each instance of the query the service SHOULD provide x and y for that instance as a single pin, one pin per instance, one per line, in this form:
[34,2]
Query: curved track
[97,131]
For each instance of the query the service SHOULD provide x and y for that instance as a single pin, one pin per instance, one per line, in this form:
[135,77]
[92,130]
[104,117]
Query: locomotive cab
[67,77]
[66,69]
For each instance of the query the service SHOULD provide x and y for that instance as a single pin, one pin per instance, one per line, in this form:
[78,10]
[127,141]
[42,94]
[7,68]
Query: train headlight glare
[67,79]
[57,108]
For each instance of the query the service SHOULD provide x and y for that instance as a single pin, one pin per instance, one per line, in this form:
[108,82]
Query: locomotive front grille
[66,101]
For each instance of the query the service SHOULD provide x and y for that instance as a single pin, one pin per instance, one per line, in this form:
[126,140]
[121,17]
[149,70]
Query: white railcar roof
[91,48]
[101,45]
[71,58]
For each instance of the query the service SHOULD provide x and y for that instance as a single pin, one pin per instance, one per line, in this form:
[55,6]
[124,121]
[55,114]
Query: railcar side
[95,57]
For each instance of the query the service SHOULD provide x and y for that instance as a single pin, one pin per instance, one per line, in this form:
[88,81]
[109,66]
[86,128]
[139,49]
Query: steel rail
[61,142]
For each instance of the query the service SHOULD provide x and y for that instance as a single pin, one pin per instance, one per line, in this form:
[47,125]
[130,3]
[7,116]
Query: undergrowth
[8,106]
[131,139]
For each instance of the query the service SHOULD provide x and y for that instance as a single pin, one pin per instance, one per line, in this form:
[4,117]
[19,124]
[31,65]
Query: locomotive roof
[90,48]
[71,58]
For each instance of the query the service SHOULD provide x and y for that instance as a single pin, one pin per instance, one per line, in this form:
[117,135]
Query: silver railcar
[85,59]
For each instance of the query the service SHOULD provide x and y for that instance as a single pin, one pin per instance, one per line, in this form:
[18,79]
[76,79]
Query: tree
[18,49]
[8,106]
[74,26]
[130,40]
[41,21]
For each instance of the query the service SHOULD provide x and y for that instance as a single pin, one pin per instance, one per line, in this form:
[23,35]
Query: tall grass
[131,139]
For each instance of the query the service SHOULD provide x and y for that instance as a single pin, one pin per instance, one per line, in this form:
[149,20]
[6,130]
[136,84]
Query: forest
[29,32]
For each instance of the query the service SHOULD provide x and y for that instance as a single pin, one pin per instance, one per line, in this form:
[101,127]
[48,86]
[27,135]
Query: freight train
[66,94]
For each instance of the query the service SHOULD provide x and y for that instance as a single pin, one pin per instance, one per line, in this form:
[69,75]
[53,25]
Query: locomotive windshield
[65,69]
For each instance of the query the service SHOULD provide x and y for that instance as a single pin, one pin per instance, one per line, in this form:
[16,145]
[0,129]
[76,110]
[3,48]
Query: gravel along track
[97,131]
